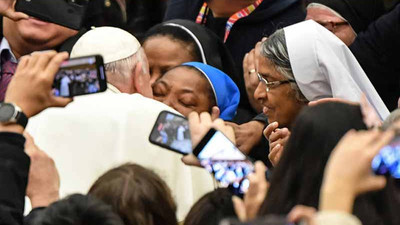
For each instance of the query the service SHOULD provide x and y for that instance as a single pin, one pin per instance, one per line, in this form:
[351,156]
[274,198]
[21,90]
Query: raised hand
[44,181]
[199,125]
[277,138]
[247,209]
[348,172]
[31,85]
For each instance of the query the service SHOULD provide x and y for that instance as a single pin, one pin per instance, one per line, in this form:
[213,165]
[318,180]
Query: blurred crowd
[307,90]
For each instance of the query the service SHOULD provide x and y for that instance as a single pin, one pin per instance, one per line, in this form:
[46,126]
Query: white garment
[100,131]
[324,67]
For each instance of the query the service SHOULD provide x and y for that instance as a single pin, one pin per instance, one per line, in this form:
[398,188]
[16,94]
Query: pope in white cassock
[100,131]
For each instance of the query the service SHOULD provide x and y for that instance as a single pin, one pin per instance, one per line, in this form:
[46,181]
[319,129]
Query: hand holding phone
[247,208]
[220,156]
[30,89]
[171,131]
[387,162]
[348,171]
[199,125]
[80,76]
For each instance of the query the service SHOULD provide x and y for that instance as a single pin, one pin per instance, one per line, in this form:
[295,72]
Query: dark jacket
[137,18]
[269,16]
[14,170]
[377,50]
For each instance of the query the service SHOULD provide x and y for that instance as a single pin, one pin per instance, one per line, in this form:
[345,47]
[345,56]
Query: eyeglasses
[273,84]
[331,25]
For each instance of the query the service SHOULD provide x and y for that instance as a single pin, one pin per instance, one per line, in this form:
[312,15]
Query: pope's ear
[137,77]
[398,103]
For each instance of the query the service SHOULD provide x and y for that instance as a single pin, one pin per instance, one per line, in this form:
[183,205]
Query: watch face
[6,112]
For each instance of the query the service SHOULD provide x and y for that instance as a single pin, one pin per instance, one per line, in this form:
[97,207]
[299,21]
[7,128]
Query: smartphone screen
[80,76]
[387,162]
[265,220]
[171,131]
[220,156]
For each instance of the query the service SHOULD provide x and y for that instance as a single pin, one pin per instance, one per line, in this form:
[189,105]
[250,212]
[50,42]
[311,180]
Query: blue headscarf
[225,90]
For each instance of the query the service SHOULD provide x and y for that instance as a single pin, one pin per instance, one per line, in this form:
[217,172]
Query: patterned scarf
[202,16]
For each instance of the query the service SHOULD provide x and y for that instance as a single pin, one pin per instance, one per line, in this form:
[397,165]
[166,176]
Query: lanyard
[202,16]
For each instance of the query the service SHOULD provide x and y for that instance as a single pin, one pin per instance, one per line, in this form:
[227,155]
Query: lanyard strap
[202,16]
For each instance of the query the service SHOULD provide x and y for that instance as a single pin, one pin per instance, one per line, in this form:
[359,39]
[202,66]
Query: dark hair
[137,194]
[78,209]
[176,34]
[211,208]
[297,179]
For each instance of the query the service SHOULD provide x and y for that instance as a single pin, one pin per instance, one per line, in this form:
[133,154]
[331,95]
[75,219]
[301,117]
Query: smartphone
[221,157]
[171,131]
[387,162]
[67,13]
[80,76]
[266,220]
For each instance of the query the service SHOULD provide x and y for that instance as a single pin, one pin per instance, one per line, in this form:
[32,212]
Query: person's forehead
[185,77]
[267,70]
[165,51]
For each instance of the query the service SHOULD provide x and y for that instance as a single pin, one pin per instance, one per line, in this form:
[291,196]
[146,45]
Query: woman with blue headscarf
[198,87]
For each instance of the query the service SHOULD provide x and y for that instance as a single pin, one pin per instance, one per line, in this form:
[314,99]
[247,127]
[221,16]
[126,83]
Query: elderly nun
[305,62]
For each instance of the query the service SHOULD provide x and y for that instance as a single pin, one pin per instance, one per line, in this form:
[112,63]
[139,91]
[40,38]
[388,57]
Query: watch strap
[21,119]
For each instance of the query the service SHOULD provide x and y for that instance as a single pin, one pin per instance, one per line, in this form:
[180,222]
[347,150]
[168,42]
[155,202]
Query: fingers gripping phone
[387,162]
[220,156]
[80,76]
[171,131]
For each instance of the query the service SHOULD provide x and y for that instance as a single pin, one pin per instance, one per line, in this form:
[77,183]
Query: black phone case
[203,141]
[155,127]
[60,12]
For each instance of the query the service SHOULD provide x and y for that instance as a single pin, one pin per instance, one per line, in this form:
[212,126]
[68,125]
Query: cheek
[201,109]
[51,34]
[290,108]
[154,77]
[157,98]
[281,102]
[181,109]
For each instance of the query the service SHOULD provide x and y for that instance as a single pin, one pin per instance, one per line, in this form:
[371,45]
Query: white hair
[122,70]
[275,49]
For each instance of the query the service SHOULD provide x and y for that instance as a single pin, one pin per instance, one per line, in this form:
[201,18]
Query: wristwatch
[11,113]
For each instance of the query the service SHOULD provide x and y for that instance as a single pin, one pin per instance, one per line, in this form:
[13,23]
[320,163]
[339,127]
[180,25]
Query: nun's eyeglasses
[273,84]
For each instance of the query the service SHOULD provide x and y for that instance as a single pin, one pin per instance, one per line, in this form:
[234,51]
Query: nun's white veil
[324,67]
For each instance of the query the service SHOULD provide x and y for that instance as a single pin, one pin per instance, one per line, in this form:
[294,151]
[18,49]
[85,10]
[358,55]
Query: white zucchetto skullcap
[110,42]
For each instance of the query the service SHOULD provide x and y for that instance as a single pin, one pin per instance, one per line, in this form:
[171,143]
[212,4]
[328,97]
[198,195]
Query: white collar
[113,89]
